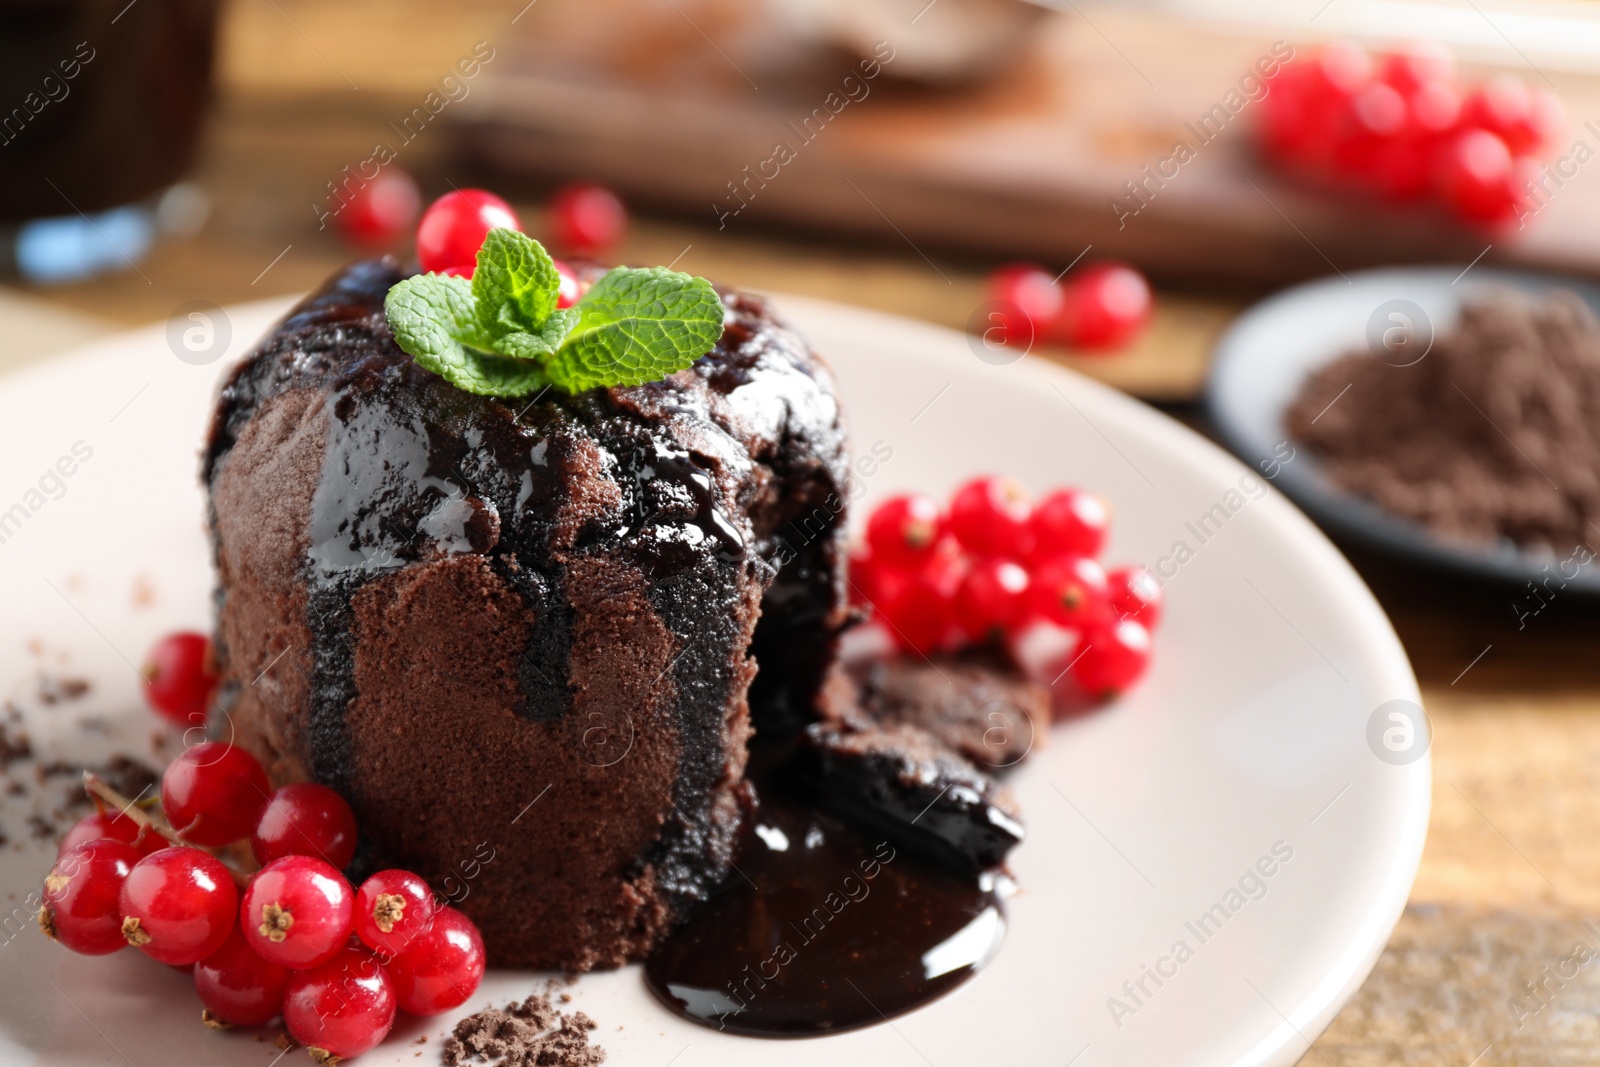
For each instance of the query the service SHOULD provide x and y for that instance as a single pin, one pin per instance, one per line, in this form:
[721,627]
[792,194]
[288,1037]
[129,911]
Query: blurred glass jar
[101,103]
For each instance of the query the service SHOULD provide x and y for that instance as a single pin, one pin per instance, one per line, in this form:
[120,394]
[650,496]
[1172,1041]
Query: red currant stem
[100,792]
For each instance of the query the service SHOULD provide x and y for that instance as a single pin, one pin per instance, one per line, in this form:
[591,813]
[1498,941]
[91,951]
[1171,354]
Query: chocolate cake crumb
[14,745]
[530,1034]
[53,690]
[127,775]
[975,702]
[1493,433]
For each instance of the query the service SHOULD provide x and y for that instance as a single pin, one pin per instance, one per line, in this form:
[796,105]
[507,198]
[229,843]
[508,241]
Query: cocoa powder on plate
[1493,434]
[530,1034]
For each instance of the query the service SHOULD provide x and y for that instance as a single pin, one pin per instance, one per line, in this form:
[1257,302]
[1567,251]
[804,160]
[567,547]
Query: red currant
[1030,301]
[569,292]
[1341,70]
[239,987]
[442,968]
[990,516]
[81,892]
[178,905]
[1545,122]
[393,909]
[1135,594]
[889,583]
[1416,64]
[305,819]
[381,210]
[1070,522]
[213,793]
[1475,177]
[297,912]
[1503,106]
[114,826]
[991,598]
[454,226]
[1526,119]
[342,1008]
[1435,108]
[1071,591]
[1378,115]
[902,530]
[920,611]
[1401,167]
[586,219]
[179,678]
[1284,128]
[1113,658]
[1107,306]
[1336,75]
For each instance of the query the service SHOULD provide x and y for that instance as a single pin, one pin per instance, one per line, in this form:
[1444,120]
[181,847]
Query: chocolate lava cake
[519,635]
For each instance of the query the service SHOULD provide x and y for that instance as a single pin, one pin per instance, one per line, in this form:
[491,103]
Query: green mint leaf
[491,375]
[432,316]
[538,344]
[433,319]
[636,326]
[515,283]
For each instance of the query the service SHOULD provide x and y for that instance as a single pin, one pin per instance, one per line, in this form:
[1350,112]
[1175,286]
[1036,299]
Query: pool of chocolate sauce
[824,928]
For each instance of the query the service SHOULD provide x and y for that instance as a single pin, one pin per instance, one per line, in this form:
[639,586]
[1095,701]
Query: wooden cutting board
[721,111]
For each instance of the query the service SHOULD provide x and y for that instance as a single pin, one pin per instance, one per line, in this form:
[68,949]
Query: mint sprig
[501,334]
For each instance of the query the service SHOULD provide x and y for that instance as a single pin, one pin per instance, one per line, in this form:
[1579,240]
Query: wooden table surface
[1511,873]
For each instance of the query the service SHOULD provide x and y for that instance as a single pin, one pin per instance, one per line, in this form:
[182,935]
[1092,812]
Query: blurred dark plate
[1262,360]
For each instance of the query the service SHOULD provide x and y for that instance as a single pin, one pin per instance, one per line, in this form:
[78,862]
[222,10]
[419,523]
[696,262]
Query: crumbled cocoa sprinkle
[1493,433]
[53,690]
[14,745]
[41,827]
[530,1034]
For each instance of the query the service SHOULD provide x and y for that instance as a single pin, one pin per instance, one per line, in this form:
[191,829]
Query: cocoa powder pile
[530,1034]
[1494,433]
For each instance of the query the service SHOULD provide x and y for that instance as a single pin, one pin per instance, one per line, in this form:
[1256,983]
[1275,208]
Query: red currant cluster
[583,219]
[1400,127]
[996,567]
[292,939]
[1102,307]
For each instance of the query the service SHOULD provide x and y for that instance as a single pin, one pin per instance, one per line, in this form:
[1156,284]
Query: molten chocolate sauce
[823,928]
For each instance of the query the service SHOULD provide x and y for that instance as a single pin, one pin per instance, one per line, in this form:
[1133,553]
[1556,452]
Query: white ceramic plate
[1265,357]
[1248,738]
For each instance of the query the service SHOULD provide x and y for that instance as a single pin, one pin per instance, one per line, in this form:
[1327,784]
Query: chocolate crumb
[1491,434]
[54,690]
[127,775]
[14,745]
[530,1034]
